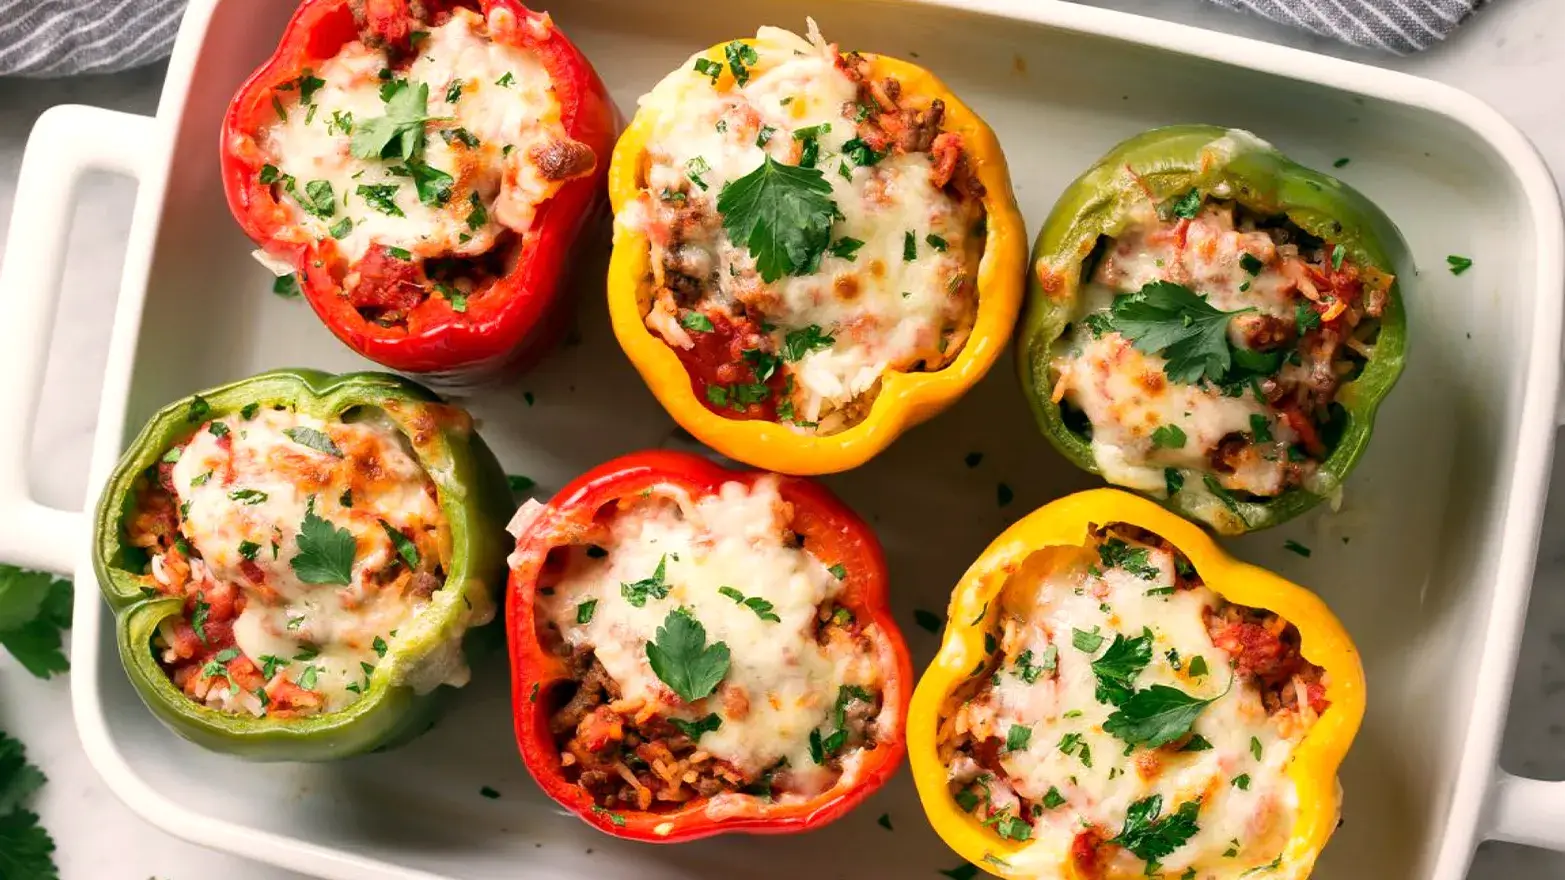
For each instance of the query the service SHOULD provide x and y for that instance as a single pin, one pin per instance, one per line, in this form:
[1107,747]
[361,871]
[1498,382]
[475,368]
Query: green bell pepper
[399,700]
[1190,164]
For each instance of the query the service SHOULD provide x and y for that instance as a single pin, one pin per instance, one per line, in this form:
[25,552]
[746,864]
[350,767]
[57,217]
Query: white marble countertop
[1509,55]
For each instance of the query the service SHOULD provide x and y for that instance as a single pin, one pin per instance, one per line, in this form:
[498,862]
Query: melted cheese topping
[781,683]
[245,490]
[884,311]
[500,95]
[1127,396]
[1242,825]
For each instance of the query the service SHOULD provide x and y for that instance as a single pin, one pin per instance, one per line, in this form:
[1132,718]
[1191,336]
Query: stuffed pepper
[295,561]
[696,651]
[1116,698]
[425,168]
[813,249]
[1213,325]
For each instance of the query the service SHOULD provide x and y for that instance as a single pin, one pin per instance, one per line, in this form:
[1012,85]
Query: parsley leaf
[1117,669]
[1169,437]
[1150,838]
[782,214]
[380,196]
[1457,264]
[694,729]
[683,660]
[34,608]
[1171,320]
[325,551]
[25,847]
[1155,717]
[314,439]
[696,321]
[654,587]
[1115,553]
[798,343]
[287,286]
[1017,737]
[585,610]
[400,133]
[1188,205]
[1086,641]
[740,55]
[405,548]
[761,607]
[433,185]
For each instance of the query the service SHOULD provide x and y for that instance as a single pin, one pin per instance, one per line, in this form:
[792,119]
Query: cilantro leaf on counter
[405,548]
[314,439]
[683,660]
[638,592]
[1117,669]
[694,729]
[1151,838]
[25,847]
[325,551]
[1179,324]
[34,608]
[782,214]
[1457,264]
[1155,717]
[400,133]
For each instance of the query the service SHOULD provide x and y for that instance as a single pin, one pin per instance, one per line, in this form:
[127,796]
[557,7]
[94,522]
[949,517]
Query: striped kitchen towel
[62,37]
[1399,26]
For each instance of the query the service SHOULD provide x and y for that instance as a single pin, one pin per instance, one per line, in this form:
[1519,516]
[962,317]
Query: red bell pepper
[541,680]
[517,313]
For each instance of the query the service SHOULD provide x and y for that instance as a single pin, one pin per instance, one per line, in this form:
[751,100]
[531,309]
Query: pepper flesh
[905,399]
[473,496]
[1162,165]
[835,535]
[1067,523]
[526,310]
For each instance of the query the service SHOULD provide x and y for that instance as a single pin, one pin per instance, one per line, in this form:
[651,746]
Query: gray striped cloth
[63,37]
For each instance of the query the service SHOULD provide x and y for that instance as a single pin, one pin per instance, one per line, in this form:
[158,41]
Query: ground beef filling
[629,757]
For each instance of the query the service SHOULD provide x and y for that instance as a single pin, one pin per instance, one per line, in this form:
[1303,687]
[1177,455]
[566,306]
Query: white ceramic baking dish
[1429,561]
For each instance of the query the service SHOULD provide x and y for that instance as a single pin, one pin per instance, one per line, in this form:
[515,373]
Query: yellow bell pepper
[905,399]
[1067,522]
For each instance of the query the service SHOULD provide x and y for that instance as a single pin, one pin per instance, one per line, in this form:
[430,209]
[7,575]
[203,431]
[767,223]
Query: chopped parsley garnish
[198,618]
[199,480]
[655,587]
[1250,263]
[380,196]
[709,69]
[519,483]
[1338,254]
[798,343]
[270,663]
[696,321]
[845,248]
[764,136]
[432,184]
[1306,317]
[287,286]
[740,56]
[1341,162]
[1197,743]
[862,154]
[1242,782]
[314,439]
[972,459]
[341,229]
[885,821]
[1261,428]
[400,133]
[838,571]
[585,610]
[1188,205]
[782,215]
[247,496]
[1151,838]
[761,607]
[405,548]
[1173,481]
[1457,264]
[1073,744]
[1255,747]
[1296,547]
[249,550]
[1089,642]
[325,551]
[809,137]
[1169,437]
[682,659]
[399,253]
[454,91]
[1003,494]
[695,168]
[455,297]
[1115,553]
[616,818]
[1052,798]
[1017,737]
[694,729]
[909,247]
[1197,666]
[505,80]
[307,678]
[927,620]
[379,646]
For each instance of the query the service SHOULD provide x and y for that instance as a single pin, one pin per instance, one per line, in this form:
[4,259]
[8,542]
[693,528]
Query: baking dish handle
[67,142]
[1528,811]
